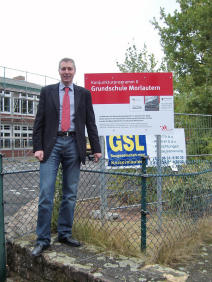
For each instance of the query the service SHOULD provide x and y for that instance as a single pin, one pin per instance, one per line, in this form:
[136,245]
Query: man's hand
[97,156]
[39,155]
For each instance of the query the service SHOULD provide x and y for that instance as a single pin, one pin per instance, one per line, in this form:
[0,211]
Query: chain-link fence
[133,209]
[198,133]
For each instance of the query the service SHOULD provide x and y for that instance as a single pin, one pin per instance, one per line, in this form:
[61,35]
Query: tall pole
[159,183]
[143,205]
[2,233]
[103,195]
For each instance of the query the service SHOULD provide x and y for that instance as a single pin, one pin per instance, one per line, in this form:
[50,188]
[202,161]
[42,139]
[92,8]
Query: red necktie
[65,122]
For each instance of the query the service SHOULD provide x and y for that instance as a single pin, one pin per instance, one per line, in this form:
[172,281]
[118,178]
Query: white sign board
[173,147]
[132,103]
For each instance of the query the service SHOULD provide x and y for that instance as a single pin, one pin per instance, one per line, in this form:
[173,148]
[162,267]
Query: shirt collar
[62,86]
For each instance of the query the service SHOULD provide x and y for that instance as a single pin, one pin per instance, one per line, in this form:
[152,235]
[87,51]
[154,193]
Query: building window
[1,143]
[5,102]
[23,136]
[17,140]
[15,136]
[24,103]
[7,143]
[24,106]
[30,107]
[16,106]
[17,143]
[1,104]
[6,136]
[7,127]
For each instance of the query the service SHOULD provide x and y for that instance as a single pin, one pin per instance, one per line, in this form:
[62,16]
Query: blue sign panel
[126,150]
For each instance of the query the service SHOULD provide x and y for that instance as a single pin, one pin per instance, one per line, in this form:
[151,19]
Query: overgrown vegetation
[57,201]
[187,246]
[191,193]
[108,237]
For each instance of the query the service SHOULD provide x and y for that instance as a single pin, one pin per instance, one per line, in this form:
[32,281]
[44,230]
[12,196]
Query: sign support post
[103,196]
[159,183]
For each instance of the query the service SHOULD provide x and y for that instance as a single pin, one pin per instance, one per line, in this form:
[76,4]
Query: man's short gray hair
[67,60]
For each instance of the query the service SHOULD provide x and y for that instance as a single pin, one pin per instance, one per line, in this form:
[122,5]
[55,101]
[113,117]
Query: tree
[140,61]
[186,38]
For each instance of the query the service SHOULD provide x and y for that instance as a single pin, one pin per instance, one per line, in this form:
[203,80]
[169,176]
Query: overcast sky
[35,35]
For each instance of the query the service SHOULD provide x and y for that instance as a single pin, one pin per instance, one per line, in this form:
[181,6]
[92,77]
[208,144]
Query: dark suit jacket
[47,121]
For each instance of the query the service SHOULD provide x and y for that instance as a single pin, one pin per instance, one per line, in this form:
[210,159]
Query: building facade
[18,107]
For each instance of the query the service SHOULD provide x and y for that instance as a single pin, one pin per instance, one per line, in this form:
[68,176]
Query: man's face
[67,72]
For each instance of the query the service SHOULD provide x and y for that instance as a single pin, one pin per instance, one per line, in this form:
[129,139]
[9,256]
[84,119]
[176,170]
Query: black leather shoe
[38,249]
[69,241]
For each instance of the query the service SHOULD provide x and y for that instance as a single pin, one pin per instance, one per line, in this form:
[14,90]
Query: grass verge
[187,246]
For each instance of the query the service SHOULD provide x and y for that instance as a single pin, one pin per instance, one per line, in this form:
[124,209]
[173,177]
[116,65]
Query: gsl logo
[126,149]
[128,143]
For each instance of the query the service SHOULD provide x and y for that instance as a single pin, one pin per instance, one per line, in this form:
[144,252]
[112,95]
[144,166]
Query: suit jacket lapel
[77,95]
[55,97]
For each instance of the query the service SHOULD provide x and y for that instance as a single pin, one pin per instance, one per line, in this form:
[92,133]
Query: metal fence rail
[125,204]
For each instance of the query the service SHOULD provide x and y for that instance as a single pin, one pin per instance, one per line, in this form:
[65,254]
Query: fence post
[103,195]
[143,205]
[2,233]
[159,184]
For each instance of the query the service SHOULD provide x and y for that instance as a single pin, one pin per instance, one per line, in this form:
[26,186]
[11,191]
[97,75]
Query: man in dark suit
[64,111]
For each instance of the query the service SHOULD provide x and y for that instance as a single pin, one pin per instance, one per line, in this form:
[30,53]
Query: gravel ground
[200,267]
